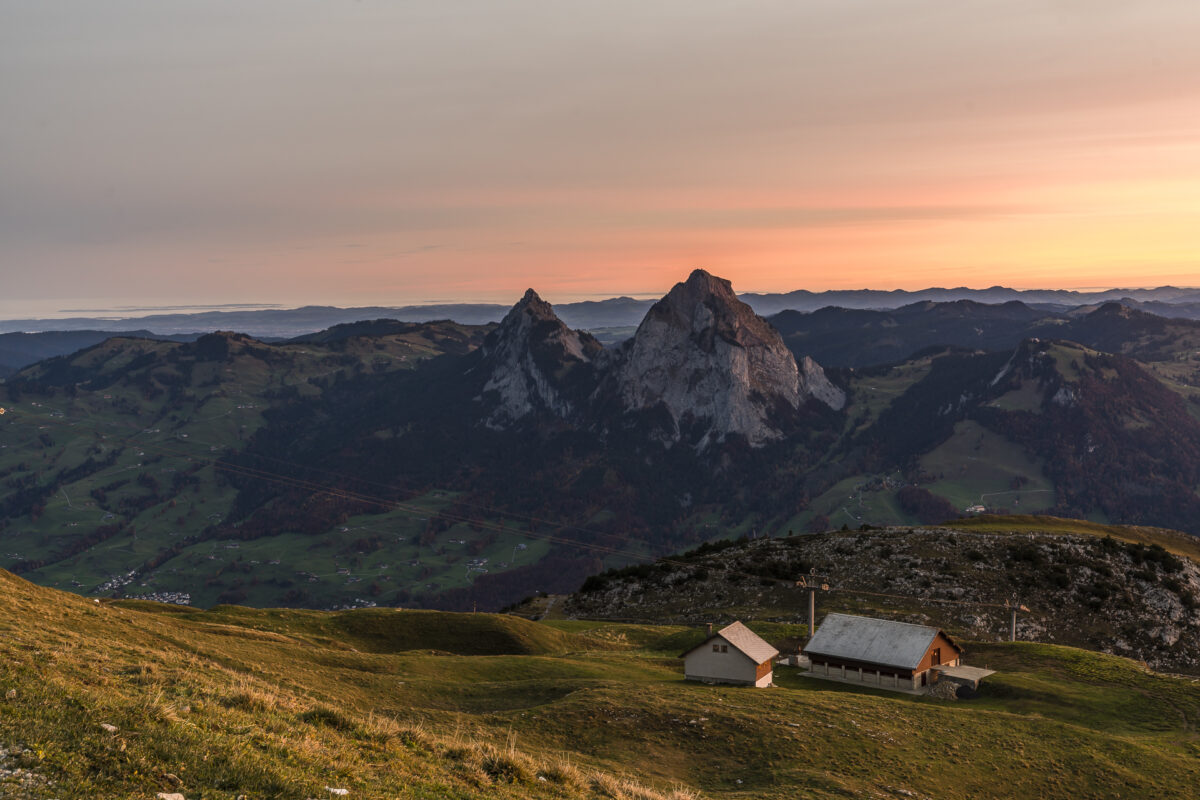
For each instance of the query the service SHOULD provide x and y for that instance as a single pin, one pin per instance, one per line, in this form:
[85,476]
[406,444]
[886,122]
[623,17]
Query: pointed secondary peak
[529,363]
[533,323]
[534,306]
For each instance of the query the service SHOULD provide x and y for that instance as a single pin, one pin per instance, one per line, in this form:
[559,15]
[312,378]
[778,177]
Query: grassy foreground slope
[284,704]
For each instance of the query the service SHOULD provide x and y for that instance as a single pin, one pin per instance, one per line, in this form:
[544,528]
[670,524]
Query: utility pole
[812,585]
[812,611]
[1014,607]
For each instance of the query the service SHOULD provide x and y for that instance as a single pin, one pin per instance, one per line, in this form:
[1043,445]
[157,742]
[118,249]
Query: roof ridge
[744,640]
[881,619]
[873,640]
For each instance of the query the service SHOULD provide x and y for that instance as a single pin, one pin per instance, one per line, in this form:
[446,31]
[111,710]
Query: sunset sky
[389,152]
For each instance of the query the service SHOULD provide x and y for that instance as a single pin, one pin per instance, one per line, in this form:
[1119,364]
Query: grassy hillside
[1050,426]
[388,630]
[109,464]
[284,704]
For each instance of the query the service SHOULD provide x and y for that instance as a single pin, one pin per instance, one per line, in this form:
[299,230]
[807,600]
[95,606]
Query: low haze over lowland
[599,400]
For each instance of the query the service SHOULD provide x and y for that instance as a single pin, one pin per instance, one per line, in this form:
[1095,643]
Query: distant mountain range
[381,461]
[617,312]
[802,300]
[840,337]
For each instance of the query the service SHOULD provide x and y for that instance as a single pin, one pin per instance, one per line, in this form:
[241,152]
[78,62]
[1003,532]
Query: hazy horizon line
[117,312]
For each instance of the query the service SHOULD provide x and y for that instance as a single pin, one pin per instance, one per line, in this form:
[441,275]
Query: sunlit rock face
[701,355]
[530,361]
[707,358]
[815,383]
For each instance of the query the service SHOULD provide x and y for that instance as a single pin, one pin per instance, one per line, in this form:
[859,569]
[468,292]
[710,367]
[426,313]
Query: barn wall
[950,653]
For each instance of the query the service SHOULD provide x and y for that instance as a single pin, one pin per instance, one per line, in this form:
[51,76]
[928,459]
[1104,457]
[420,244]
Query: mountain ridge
[529,359]
[608,313]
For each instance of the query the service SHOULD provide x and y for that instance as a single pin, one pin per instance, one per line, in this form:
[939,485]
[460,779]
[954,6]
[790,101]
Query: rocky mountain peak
[706,306]
[702,281]
[815,383]
[713,364]
[530,322]
[530,360]
[532,305]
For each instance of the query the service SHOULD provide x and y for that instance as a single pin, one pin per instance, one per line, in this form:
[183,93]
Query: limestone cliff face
[710,360]
[532,362]
[715,366]
[815,383]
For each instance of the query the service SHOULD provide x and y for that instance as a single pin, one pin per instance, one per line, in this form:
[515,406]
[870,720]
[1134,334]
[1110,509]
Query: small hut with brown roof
[734,654]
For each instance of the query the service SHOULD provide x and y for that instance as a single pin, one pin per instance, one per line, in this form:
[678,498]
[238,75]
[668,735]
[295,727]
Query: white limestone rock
[705,356]
[527,357]
[814,382]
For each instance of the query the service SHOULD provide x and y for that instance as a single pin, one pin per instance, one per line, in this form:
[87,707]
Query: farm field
[978,467]
[858,500]
[384,559]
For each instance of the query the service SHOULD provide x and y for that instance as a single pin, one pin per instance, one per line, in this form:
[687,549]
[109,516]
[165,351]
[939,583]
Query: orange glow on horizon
[592,150]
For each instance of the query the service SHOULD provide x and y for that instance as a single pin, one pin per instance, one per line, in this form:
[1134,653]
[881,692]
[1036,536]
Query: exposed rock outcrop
[701,355]
[1104,594]
[815,383]
[708,359]
[532,363]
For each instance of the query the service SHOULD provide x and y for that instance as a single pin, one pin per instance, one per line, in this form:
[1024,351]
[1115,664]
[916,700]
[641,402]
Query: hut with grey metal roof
[880,652]
[735,654]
